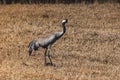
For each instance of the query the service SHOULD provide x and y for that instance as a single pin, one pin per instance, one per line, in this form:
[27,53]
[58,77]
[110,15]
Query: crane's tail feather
[33,45]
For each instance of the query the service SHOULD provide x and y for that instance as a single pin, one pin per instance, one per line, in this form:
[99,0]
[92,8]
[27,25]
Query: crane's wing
[44,42]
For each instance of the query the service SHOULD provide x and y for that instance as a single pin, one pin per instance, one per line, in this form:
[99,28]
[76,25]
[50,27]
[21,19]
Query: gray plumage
[47,42]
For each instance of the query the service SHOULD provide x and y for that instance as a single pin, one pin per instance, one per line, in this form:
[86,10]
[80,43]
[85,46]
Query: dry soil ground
[89,50]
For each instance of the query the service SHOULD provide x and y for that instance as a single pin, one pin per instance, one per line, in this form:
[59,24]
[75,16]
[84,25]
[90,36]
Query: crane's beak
[30,51]
[66,20]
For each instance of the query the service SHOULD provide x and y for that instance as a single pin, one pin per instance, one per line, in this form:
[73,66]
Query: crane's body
[47,42]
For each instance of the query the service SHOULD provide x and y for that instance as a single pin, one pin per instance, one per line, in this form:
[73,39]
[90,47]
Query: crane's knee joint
[49,55]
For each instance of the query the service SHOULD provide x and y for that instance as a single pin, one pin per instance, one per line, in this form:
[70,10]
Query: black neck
[64,28]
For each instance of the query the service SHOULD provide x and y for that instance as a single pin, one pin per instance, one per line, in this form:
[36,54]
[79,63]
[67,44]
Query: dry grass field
[89,50]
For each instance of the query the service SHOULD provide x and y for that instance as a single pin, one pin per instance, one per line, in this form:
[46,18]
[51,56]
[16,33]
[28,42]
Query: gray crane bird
[47,42]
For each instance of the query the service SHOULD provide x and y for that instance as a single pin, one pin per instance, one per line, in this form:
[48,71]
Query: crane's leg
[45,56]
[49,55]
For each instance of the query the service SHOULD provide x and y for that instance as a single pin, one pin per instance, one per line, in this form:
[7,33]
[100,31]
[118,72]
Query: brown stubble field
[89,50]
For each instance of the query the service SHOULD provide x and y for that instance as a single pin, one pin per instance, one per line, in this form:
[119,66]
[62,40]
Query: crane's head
[64,21]
[33,45]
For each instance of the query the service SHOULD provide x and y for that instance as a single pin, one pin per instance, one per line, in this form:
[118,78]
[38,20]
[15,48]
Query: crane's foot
[49,64]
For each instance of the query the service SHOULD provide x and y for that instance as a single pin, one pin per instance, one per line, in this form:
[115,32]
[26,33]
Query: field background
[89,50]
